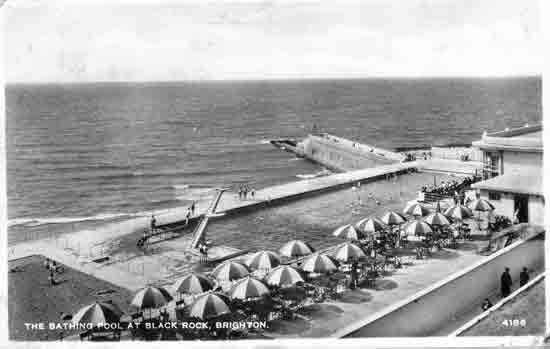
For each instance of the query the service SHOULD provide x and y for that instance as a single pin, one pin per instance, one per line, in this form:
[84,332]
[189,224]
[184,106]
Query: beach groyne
[424,313]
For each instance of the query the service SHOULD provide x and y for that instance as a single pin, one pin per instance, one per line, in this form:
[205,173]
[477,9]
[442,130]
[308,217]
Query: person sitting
[486,304]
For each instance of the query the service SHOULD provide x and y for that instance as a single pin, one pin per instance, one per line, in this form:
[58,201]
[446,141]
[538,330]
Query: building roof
[527,138]
[514,182]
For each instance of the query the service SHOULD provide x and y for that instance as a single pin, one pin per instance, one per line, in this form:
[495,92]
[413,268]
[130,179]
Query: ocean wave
[33,222]
[307,175]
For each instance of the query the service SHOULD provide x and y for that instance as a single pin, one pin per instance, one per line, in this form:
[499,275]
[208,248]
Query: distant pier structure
[339,154]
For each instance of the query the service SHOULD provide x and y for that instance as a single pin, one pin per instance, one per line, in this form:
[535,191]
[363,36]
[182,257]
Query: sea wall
[340,154]
[431,309]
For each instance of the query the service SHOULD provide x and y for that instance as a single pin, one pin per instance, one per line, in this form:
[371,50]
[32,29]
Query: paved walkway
[447,165]
[364,302]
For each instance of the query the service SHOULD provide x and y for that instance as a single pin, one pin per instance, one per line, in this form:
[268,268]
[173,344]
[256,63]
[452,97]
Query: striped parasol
[437,219]
[248,288]
[458,212]
[393,218]
[417,228]
[98,313]
[263,260]
[296,248]
[151,298]
[416,209]
[371,226]
[348,232]
[348,252]
[319,263]
[210,306]
[193,284]
[229,271]
[481,205]
[283,276]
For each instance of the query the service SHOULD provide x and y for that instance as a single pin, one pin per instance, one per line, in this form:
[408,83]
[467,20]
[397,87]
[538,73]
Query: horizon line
[275,79]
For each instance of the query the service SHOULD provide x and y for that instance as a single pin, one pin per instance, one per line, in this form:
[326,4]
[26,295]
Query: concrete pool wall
[425,312]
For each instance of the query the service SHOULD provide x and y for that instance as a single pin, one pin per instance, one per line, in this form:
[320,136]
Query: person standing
[515,219]
[51,278]
[353,275]
[187,216]
[505,283]
[153,223]
[193,208]
[252,192]
[523,277]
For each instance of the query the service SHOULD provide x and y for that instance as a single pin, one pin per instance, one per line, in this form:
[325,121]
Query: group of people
[244,190]
[506,285]
[449,188]
[413,156]
[506,281]
[53,268]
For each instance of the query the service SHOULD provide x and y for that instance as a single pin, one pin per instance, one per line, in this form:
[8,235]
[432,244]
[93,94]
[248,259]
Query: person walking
[523,277]
[505,283]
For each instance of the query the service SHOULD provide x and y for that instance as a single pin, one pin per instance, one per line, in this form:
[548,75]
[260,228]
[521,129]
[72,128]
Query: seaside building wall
[513,171]
[504,204]
[514,161]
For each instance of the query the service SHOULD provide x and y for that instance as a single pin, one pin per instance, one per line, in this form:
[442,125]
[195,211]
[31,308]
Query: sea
[79,155]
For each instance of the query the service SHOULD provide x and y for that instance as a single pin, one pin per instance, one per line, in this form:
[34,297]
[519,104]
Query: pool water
[314,219]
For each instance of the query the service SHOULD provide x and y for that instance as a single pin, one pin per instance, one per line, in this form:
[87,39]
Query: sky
[141,40]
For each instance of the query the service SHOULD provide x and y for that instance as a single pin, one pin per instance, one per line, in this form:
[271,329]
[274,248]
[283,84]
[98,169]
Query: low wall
[310,193]
[431,309]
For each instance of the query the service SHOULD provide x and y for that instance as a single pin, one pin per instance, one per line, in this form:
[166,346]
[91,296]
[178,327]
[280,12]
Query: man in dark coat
[506,283]
[523,277]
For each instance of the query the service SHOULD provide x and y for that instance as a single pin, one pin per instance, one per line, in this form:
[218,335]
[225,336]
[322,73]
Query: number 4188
[514,322]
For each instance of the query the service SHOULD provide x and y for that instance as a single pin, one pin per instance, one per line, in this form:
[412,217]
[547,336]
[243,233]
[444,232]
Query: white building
[513,173]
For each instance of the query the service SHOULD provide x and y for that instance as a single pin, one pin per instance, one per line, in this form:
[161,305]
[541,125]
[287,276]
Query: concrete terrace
[327,319]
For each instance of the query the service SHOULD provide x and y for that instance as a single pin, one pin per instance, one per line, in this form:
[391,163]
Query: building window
[494,196]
